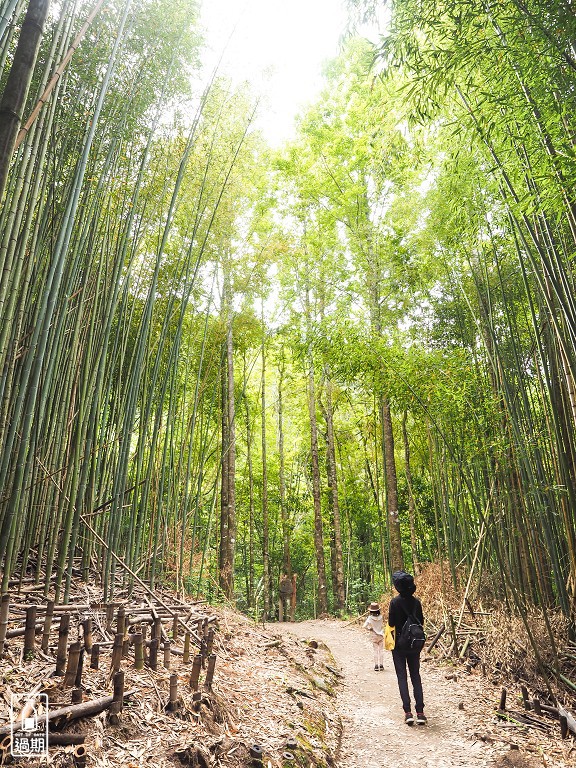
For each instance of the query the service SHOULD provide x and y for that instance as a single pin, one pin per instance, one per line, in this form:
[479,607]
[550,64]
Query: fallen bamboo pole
[61,717]
[56,739]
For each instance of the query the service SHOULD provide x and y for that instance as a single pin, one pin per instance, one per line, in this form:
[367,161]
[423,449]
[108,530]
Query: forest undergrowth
[480,631]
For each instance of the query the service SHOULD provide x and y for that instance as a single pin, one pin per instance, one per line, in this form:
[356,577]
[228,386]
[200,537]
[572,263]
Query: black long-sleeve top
[399,609]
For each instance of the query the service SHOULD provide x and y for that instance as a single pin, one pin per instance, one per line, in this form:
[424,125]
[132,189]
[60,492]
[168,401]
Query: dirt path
[375,735]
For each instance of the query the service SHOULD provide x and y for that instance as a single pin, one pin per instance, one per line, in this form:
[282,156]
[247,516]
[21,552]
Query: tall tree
[13,98]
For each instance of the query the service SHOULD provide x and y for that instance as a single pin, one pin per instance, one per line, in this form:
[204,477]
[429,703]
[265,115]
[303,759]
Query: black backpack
[411,637]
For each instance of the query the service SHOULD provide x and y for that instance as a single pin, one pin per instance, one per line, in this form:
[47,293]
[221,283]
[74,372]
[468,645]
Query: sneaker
[381,667]
[409,718]
[421,718]
[376,668]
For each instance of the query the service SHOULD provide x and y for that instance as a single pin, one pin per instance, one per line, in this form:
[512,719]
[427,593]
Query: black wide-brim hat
[404,582]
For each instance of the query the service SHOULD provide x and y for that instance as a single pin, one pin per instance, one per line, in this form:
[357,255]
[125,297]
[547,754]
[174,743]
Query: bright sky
[277,45]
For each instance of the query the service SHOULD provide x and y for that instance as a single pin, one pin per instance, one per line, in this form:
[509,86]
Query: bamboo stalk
[210,672]
[72,666]
[116,652]
[117,698]
[195,674]
[87,629]
[153,654]
[95,656]
[47,625]
[186,655]
[173,700]
[138,651]
[61,653]
[4,610]
[30,633]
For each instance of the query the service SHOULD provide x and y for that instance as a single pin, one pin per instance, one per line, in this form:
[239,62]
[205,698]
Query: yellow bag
[389,637]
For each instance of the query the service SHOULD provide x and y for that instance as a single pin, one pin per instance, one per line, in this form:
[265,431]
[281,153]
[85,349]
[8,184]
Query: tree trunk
[396,556]
[333,500]
[228,502]
[265,524]
[224,484]
[318,526]
[16,90]
[286,562]
[411,501]
[250,574]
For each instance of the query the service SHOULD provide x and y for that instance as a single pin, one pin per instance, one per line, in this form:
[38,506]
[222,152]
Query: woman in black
[402,605]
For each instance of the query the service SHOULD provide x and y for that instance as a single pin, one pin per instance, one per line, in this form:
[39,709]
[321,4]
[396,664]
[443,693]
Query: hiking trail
[375,734]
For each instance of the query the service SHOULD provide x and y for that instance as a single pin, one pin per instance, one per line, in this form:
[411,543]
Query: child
[375,624]
[402,605]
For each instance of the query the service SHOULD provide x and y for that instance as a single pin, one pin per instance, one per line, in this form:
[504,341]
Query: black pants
[412,661]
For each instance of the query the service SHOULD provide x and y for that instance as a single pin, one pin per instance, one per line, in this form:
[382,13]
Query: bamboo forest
[225,362]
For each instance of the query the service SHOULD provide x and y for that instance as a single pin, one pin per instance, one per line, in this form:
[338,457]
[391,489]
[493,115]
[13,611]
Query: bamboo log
[563,727]
[30,633]
[47,625]
[117,698]
[80,669]
[138,651]
[549,710]
[87,630]
[77,696]
[210,641]
[116,659]
[175,628]
[56,739]
[173,700]
[56,608]
[153,656]
[195,674]
[95,656]
[64,715]
[4,609]
[21,631]
[453,633]
[436,637]
[72,666]
[126,647]
[79,756]
[186,654]
[109,616]
[210,672]
[464,648]
[62,643]
[167,654]
[502,706]
[121,621]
